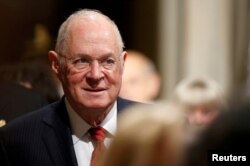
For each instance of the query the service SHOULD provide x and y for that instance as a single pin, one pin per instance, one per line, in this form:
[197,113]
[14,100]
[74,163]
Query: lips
[95,89]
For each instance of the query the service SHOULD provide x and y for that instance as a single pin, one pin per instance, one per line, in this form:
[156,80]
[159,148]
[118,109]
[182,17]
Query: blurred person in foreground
[203,100]
[148,135]
[88,60]
[141,81]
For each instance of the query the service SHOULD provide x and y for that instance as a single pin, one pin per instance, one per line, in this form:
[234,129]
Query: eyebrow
[89,56]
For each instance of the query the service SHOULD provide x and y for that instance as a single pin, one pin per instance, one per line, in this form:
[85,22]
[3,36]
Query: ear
[54,61]
[155,83]
[124,56]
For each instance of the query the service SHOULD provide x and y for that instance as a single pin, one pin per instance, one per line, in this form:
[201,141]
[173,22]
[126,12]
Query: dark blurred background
[29,28]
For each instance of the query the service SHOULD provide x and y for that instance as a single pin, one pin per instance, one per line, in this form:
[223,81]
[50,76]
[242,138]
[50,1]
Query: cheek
[115,77]
[190,117]
[72,78]
[114,82]
[213,115]
[209,117]
[119,80]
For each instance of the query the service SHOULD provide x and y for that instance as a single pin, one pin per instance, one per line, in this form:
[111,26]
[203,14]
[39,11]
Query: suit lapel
[57,136]
[123,103]
[57,133]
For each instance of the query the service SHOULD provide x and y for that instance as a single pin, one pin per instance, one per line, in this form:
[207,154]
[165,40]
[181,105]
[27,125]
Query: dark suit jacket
[15,100]
[41,138]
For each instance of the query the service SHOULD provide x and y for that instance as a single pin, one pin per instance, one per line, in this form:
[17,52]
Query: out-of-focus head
[148,135]
[8,72]
[228,134]
[203,98]
[37,75]
[88,60]
[141,81]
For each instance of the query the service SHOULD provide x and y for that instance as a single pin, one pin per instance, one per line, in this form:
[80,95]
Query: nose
[95,72]
[196,118]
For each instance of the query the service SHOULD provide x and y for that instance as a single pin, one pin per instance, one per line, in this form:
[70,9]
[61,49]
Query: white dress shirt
[81,139]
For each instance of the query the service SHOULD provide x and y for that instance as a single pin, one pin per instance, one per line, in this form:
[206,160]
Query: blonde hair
[199,91]
[147,135]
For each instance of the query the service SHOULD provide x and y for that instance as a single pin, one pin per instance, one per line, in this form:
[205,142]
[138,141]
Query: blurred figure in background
[36,74]
[16,100]
[228,135]
[8,72]
[141,81]
[203,100]
[25,87]
[33,73]
[148,135]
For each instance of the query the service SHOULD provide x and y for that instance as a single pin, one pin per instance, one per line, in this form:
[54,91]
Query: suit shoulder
[124,103]
[31,119]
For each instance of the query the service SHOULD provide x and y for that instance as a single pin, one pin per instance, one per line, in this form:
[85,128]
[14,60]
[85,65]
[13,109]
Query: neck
[94,117]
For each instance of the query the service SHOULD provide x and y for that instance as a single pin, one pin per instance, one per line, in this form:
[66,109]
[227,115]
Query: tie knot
[97,133]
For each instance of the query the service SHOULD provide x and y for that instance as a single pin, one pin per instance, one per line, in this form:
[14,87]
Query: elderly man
[88,60]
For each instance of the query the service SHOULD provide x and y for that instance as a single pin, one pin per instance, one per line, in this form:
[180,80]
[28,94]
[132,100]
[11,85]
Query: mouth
[95,90]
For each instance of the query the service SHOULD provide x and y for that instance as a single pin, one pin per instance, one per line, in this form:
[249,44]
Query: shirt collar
[79,127]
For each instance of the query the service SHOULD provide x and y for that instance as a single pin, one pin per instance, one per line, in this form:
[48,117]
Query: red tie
[97,135]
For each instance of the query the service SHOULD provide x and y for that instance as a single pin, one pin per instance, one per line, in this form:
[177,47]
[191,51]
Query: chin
[97,104]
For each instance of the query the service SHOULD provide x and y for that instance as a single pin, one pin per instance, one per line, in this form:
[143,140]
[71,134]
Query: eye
[207,111]
[80,60]
[109,61]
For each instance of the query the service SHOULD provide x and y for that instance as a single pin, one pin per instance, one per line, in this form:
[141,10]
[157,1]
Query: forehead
[87,33]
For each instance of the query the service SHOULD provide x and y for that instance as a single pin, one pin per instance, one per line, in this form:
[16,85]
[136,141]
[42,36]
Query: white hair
[61,43]
[198,91]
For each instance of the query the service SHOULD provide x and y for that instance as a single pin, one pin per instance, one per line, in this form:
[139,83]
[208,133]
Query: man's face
[203,115]
[93,65]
